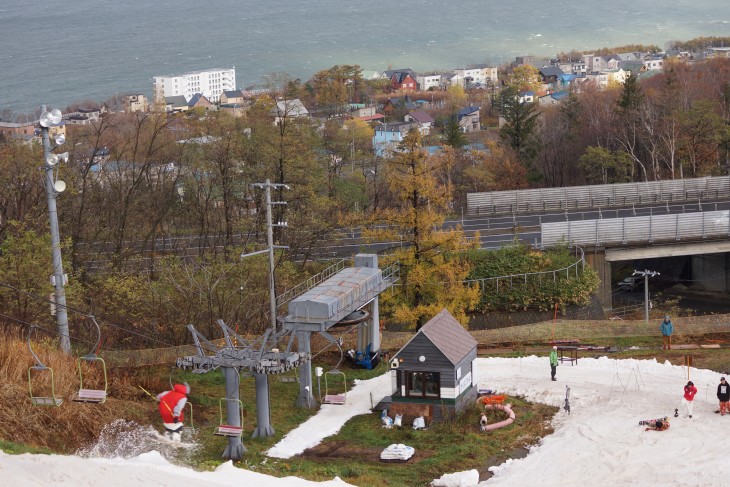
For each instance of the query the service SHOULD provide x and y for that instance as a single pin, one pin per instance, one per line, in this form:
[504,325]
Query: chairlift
[39,367]
[224,429]
[335,398]
[96,396]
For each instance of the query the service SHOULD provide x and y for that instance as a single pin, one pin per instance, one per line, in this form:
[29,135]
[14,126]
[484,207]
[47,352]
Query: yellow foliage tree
[432,258]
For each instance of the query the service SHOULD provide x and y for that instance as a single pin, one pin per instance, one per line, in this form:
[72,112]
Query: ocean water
[56,53]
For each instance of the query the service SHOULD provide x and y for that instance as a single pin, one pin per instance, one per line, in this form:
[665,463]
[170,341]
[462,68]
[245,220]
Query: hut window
[423,384]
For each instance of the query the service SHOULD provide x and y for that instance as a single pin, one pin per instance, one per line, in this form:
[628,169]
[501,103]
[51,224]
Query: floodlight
[52,160]
[50,118]
[59,186]
[60,139]
[63,156]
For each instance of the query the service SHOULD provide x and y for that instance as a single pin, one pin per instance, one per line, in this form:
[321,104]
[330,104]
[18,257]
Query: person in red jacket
[688,399]
[172,408]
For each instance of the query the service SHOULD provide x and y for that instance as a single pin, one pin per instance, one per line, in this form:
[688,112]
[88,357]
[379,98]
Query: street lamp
[647,274]
[54,187]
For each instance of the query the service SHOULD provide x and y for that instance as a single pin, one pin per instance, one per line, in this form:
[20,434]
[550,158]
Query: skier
[553,362]
[659,424]
[723,395]
[689,395]
[171,407]
[667,328]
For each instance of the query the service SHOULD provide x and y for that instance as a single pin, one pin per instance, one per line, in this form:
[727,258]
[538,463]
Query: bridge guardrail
[597,196]
[653,228]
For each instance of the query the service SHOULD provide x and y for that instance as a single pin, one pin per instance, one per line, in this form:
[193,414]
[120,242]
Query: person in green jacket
[553,362]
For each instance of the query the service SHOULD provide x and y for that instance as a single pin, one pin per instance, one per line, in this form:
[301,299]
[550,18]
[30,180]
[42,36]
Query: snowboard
[648,422]
[160,438]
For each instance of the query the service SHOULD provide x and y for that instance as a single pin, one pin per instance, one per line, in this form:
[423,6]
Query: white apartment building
[428,81]
[211,83]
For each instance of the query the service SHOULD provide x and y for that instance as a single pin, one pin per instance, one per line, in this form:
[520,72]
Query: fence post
[676,227]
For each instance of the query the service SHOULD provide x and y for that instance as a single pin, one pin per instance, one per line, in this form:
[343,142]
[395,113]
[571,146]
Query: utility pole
[266,186]
[647,274]
[54,187]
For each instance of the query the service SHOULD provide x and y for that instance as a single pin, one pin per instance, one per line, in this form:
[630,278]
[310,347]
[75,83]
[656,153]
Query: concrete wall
[598,263]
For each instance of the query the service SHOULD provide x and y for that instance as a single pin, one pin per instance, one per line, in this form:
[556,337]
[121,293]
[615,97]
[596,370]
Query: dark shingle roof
[449,336]
[233,94]
[466,111]
[195,99]
[176,101]
[421,117]
[551,71]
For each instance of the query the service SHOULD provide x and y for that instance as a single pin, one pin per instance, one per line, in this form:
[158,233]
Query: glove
[175,420]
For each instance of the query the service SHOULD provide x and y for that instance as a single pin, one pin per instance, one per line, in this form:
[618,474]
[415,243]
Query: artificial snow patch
[468,478]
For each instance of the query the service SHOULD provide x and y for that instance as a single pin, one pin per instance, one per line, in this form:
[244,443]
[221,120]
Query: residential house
[289,109]
[594,63]
[430,81]
[477,75]
[135,103]
[424,120]
[633,67]
[176,104]
[526,97]
[233,97]
[199,101]
[366,113]
[579,69]
[434,375]
[402,79]
[553,98]
[654,62]
[389,135]
[12,129]
[549,74]
[616,76]
[723,52]
[469,119]
[371,75]
[400,103]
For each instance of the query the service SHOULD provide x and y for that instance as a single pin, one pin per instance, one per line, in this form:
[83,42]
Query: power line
[55,332]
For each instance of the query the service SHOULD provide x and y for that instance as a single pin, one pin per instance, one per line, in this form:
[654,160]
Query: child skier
[723,395]
[689,395]
[553,362]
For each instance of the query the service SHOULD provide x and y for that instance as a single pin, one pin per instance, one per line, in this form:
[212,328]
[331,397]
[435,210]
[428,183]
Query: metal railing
[305,286]
[649,229]
[510,281]
[542,199]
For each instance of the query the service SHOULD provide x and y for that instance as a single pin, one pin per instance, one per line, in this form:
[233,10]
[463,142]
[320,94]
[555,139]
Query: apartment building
[211,84]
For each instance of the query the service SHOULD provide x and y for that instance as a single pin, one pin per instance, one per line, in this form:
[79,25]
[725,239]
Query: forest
[159,207]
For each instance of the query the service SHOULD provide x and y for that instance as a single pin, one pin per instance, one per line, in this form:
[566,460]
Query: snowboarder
[171,407]
[659,424]
[689,395]
[723,395]
[667,328]
[553,362]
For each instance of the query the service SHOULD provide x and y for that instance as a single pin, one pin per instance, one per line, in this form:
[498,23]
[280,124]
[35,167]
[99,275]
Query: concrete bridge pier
[598,262]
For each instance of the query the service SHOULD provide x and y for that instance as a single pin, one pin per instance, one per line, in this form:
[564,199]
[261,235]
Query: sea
[63,52]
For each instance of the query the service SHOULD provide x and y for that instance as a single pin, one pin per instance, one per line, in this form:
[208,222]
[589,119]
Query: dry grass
[71,425]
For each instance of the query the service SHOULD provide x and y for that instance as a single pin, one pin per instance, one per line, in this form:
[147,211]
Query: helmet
[555,348]
[690,383]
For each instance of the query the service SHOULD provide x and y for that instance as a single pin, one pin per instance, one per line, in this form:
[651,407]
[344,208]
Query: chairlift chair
[96,396]
[224,429]
[339,398]
[51,400]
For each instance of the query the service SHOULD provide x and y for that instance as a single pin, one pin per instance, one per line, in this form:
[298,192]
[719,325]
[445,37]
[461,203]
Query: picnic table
[568,354]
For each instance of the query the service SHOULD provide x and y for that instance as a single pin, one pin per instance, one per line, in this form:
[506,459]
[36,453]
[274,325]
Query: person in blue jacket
[667,328]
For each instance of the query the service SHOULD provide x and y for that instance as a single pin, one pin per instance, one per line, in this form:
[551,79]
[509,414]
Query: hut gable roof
[449,336]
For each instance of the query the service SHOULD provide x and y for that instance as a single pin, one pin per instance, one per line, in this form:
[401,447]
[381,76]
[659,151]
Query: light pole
[647,274]
[54,187]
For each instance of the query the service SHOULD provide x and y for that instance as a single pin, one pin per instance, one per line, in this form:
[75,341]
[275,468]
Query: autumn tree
[432,259]
[603,166]
[524,78]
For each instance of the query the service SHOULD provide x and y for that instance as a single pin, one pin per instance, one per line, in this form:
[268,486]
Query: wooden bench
[90,395]
[228,430]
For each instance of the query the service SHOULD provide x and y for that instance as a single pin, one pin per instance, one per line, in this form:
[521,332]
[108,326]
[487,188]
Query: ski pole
[155,398]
